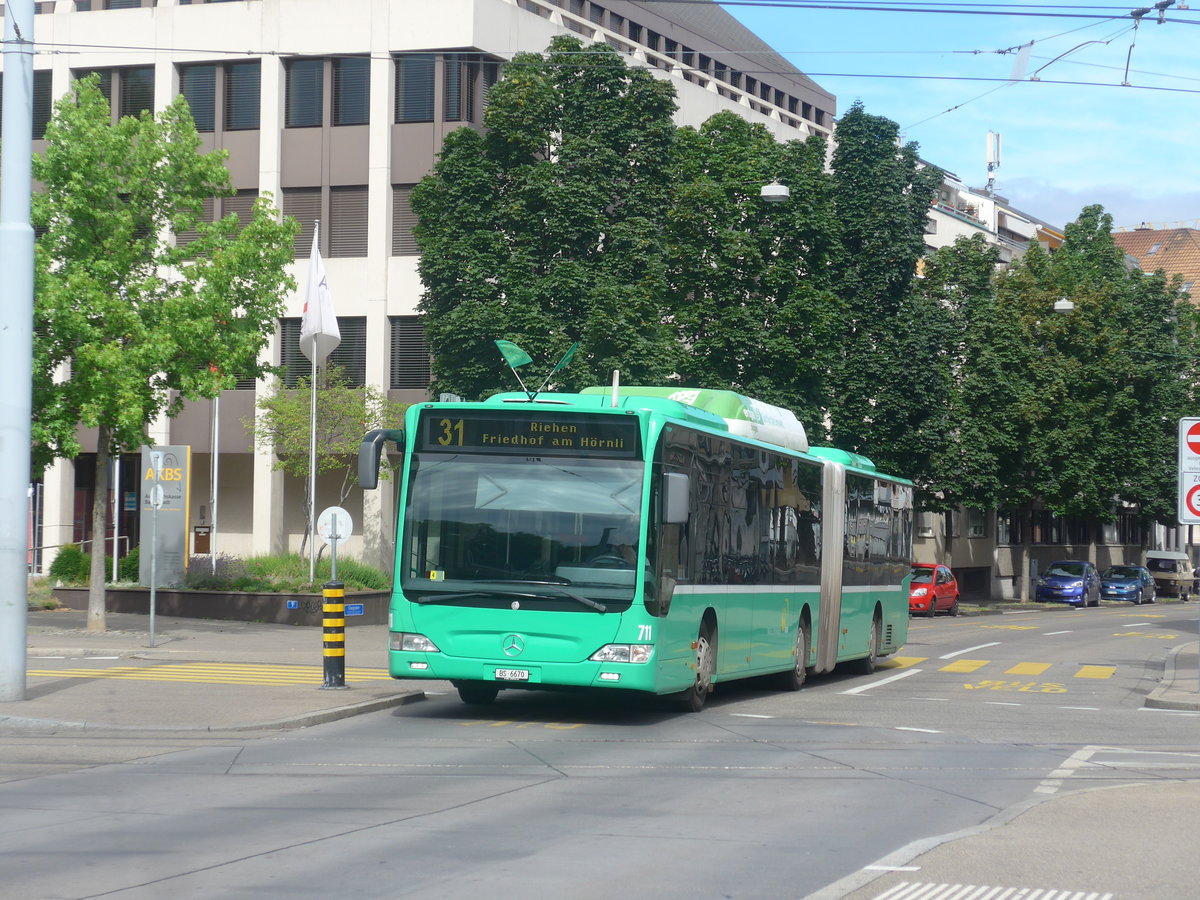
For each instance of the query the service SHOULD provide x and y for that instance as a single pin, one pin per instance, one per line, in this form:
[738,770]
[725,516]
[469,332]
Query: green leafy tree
[128,323]
[344,414]
[548,228]
[881,395]
[750,288]
[1072,413]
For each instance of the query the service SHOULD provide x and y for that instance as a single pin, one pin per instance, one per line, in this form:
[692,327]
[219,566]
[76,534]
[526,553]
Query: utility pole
[16,342]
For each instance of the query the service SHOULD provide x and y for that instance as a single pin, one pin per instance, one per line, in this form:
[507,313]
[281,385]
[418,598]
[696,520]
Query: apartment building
[337,109]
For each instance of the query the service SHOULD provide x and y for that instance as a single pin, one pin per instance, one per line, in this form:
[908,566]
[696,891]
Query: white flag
[319,333]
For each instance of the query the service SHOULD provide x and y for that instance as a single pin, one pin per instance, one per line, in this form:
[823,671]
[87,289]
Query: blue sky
[1132,149]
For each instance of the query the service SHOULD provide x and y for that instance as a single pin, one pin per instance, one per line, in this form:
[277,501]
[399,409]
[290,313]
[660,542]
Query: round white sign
[335,526]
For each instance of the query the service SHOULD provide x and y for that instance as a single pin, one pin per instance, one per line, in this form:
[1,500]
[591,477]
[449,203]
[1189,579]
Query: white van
[1173,573]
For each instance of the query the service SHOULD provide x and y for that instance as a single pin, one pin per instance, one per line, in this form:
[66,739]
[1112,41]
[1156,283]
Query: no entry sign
[1189,472]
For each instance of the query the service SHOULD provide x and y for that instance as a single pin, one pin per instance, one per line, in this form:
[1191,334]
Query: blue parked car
[1071,581]
[1132,583]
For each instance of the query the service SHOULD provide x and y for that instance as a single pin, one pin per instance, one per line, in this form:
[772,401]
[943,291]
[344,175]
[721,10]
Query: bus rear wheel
[794,679]
[477,693]
[706,666]
[866,665]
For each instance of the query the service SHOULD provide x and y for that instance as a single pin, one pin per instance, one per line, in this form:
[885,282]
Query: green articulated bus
[644,539]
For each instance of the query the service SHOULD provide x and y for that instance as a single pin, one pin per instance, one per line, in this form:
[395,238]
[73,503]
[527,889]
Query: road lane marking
[874,684]
[1095,671]
[969,650]
[901,662]
[1052,633]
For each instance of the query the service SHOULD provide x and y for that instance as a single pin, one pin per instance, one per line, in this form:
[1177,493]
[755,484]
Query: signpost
[1189,474]
[334,526]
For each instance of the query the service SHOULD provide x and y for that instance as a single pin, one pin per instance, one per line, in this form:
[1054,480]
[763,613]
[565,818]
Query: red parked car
[934,589]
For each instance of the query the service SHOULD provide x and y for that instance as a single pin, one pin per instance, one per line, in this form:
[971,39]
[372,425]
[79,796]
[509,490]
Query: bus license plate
[512,674]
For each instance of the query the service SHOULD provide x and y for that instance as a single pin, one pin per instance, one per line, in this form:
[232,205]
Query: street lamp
[774,192]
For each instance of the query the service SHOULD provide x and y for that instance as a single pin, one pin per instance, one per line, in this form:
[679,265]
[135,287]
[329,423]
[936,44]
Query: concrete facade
[350,164]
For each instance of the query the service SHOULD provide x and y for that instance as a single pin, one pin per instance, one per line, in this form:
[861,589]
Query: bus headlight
[402,640]
[624,653]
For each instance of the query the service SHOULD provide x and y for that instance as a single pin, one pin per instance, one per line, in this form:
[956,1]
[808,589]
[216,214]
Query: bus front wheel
[477,693]
[706,666]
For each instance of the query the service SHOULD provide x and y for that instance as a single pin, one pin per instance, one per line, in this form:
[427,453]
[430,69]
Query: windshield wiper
[578,598]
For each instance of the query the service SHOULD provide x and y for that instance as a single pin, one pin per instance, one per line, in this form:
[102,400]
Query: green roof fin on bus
[515,357]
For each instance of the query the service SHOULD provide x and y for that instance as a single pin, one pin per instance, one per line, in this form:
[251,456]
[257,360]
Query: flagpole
[312,482]
[319,336]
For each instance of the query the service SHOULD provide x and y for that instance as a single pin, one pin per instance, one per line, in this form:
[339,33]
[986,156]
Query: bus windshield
[486,528]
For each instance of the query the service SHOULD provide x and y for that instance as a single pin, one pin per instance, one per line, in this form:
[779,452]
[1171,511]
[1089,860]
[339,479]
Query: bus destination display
[543,434]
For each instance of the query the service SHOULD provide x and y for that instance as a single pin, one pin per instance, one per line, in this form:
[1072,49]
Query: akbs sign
[165,483]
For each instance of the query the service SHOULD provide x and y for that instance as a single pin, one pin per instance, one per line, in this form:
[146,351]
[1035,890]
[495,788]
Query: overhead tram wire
[1013,11]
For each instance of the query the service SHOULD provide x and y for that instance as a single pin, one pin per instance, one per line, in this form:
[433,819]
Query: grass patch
[41,594]
[279,574]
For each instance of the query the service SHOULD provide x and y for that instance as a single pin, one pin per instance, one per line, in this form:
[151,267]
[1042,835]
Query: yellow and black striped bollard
[334,647]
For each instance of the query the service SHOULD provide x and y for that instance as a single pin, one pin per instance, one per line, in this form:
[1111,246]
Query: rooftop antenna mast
[993,160]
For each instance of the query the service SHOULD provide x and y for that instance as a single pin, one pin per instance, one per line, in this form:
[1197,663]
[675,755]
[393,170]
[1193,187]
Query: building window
[404,220]
[1008,527]
[414,87]
[243,95]
[461,74]
[350,356]
[42,102]
[136,91]
[348,221]
[925,524]
[303,205]
[410,354]
[351,90]
[198,84]
[240,205]
[342,212]
[304,93]
[976,523]
[129,92]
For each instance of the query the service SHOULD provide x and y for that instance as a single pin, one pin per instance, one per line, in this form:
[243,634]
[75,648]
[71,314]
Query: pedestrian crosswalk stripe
[215,673]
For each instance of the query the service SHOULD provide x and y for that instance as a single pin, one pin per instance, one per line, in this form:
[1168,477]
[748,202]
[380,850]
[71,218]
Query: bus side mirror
[369,453]
[676,491]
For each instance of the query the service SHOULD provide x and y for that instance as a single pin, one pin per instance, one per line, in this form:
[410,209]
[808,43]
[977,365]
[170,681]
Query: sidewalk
[168,688]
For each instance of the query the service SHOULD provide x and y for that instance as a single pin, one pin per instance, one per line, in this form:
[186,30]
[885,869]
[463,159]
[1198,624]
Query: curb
[1158,699]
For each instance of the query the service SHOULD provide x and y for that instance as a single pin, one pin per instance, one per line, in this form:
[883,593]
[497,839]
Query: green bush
[71,565]
[129,569]
[278,574]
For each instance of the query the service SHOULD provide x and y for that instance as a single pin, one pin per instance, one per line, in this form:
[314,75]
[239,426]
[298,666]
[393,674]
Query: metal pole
[312,483]
[116,519]
[16,340]
[216,468]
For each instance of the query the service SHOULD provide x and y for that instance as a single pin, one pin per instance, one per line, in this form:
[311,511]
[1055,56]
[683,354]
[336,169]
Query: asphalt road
[847,788]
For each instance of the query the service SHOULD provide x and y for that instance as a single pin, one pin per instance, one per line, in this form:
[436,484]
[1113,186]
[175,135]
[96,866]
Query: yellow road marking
[965,665]
[1028,668]
[901,662]
[215,673]
[1012,627]
[1095,671]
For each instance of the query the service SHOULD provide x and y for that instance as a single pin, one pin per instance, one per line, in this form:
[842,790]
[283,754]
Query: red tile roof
[1174,250]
